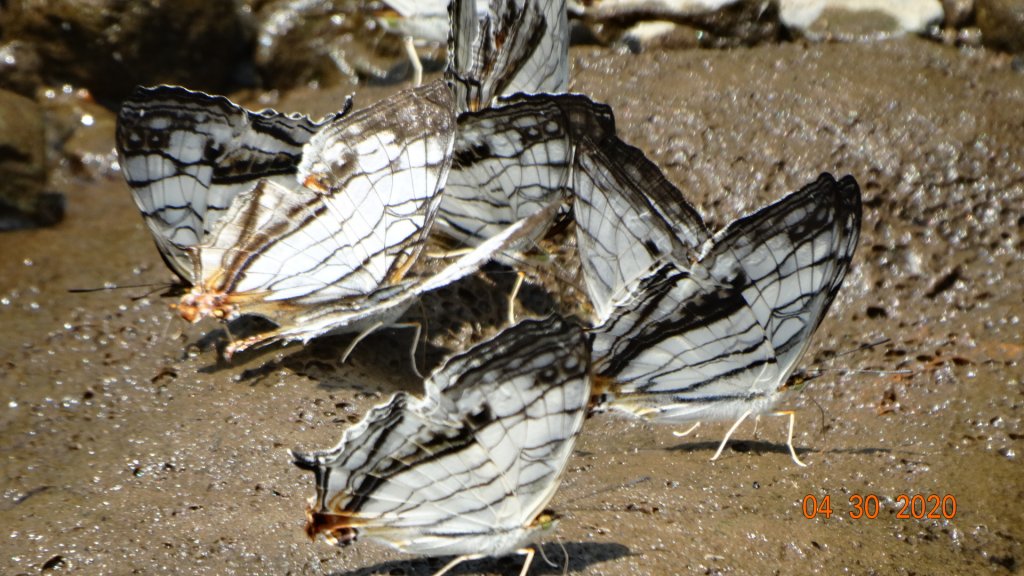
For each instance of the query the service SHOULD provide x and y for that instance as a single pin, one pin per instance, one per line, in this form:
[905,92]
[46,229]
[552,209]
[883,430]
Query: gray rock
[1002,24]
[860,19]
[714,23]
[23,201]
[323,43]
[109,46]
[660,34]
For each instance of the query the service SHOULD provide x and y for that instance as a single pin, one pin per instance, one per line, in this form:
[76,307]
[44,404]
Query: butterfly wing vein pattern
[470,467]
[720,338]
[369,190]
[514,46]
[510,161]
[186,155]
[629,218]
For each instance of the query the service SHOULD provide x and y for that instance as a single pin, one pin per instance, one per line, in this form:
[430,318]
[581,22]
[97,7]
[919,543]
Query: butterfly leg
[359,338]
[565,554]
[414,59]
[260,339]
[456,561]
[687,432]
[789,439]
[729,434]
[417,331]
[449,254]
[528,552]
[512,297]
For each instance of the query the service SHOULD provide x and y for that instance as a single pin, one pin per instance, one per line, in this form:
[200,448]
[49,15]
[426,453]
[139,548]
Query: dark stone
[109,46]
[23,202]
[1001,23]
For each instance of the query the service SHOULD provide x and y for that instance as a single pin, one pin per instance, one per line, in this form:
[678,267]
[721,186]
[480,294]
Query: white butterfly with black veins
[718,337]
[510,161]
[330,251]
[517,46]
[186,155]
[469,469]
[629,218]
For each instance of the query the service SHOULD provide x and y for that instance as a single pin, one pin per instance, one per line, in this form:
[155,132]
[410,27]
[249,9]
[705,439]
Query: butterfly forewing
[679,339]
[729,329]
[516,46]
[547,68]
[371,182]
[186,155]
[629,218]
[791,258]
[381,173]
[476,460]
[510,161]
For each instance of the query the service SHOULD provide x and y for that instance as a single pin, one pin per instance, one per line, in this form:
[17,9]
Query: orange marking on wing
[315,182]
[400,269]
[339,529]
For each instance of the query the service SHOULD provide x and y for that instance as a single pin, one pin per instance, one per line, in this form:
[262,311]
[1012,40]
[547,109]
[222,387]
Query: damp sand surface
[127,448]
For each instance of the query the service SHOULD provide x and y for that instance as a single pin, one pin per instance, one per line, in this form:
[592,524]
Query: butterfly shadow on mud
[744,446]
[581,556]
[451,319]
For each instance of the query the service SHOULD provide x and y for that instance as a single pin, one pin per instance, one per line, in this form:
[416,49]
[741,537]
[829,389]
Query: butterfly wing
[475,461]
[515,46]
[790,259]
[547,68]
[511,161]
[186,155]
[371,186]
[629,218]
[719,338]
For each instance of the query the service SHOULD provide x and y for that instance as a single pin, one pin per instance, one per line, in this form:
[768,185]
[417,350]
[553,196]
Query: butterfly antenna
[821,412]
[545,556]
[610,488]
[155,287]
[801,377]
[425,334]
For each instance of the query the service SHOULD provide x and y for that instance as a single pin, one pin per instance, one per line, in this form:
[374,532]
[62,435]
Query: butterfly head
[545,522]
[199,303]
[338,529]
[601,393]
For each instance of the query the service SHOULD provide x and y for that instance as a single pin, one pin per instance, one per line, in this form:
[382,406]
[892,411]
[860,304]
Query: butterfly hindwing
[370,185]
[723,334]
[512,160]
[186,155]
[474,461]
[629,218]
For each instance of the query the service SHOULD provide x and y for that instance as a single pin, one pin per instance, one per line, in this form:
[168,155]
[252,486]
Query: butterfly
[341,236]
[468,469]
[517,46]
[717,337]
[186,155]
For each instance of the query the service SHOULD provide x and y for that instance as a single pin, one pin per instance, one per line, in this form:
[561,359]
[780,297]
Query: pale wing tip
[304,460]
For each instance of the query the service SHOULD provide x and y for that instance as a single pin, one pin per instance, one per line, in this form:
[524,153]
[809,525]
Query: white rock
[911,15]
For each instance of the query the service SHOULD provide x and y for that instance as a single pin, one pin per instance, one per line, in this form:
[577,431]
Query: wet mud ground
[126,449]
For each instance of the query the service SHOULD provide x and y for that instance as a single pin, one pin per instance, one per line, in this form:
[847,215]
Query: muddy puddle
[126,449]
